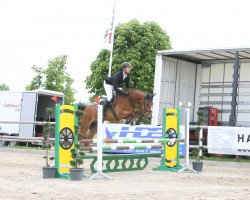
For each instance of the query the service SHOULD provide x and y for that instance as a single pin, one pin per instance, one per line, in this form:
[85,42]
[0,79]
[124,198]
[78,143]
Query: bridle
[144,112]
[145,102]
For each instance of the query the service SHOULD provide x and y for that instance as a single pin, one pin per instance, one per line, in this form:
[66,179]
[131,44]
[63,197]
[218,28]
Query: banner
[124,131]
[228,140]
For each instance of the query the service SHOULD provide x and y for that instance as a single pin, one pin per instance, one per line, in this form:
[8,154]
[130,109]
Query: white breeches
[109,90]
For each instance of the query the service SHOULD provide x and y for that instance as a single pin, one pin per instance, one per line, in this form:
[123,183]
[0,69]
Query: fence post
[200,141]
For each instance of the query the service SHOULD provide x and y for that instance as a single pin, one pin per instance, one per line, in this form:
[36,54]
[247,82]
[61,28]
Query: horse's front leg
[138,121]
[129,120]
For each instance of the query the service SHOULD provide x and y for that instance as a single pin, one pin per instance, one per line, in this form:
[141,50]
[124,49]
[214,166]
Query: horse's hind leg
[92,130]
[91,133]
[86,122]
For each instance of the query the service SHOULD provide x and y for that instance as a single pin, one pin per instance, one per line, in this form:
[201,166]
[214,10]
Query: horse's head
[147,105]
[144,102]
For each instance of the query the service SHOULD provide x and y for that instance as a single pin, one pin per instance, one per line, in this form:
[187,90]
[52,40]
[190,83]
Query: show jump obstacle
[65,137]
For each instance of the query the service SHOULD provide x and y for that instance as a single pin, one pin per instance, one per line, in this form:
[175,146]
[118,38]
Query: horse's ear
[152,96]
[149,97]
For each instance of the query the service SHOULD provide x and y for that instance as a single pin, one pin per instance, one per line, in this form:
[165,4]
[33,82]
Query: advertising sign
[229,140]
[10,109]
[124,131]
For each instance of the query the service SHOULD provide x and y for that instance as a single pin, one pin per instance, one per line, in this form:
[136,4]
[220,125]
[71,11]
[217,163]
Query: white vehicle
[208,77]
[26,106]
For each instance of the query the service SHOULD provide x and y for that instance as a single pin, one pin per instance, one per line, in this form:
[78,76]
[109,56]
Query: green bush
[76,153]
[48,130]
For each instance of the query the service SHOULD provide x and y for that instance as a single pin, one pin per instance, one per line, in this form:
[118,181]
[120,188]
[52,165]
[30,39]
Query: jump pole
[155,146]
[186,166]
[99,145]
[131,141]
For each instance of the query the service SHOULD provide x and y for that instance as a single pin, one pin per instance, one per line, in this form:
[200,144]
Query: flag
[108,41]
[54,98]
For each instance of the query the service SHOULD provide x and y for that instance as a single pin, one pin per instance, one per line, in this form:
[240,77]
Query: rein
[143,112]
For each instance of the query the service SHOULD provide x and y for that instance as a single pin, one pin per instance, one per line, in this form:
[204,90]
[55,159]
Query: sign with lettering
[229,140]
[10,110]
[124,131]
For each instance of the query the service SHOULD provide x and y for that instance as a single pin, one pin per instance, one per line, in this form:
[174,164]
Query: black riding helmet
[126,64]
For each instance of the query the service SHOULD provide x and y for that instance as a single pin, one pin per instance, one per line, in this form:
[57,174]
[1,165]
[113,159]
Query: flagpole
[110,60]
[112,40]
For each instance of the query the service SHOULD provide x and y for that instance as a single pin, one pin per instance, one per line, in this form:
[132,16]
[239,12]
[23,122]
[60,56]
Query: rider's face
[127,70]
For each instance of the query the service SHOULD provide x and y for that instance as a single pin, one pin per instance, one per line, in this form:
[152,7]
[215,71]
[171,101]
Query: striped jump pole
[154,146]
[161,140]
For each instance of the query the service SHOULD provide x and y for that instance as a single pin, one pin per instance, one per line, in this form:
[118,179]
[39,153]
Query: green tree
[133,42]
[55,78]
[37,80]
[4,87]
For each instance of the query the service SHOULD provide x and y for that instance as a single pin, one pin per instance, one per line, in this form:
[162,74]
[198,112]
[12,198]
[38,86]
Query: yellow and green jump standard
[65,138]
[171,128]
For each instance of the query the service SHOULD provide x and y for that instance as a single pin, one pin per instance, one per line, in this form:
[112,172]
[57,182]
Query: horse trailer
[211,77]
[26,106]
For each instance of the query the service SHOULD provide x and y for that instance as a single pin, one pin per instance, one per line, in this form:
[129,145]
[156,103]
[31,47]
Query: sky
[32,32]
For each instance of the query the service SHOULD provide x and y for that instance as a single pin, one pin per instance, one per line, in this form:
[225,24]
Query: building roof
[203,55]
[47,92]
[39,91]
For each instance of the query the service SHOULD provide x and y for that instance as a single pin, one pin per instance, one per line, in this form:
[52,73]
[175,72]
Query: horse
[135,104]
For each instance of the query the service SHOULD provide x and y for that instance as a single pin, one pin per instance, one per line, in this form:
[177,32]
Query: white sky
[34,31]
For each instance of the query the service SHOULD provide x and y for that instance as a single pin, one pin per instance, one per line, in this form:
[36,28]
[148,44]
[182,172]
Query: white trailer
[26,106]
[209,77]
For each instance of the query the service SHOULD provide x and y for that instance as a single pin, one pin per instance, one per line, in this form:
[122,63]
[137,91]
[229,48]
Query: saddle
[103,99]
[110,106]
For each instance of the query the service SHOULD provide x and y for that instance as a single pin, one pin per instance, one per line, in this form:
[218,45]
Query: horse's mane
[133,89]
[146,94]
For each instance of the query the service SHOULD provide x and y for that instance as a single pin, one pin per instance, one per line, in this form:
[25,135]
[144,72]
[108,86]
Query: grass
[225,158]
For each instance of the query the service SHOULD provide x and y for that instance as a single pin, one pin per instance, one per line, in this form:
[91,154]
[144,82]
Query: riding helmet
[126,64]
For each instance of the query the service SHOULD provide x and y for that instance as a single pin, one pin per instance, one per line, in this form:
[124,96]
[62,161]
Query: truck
[26,106]
[204,77]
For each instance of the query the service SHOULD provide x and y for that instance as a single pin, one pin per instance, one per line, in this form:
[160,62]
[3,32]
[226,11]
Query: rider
[113,82]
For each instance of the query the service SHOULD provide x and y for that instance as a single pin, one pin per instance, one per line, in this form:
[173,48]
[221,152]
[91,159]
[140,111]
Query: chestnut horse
[135,105]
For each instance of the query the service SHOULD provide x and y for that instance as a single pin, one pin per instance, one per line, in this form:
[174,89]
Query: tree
[37,80]
[133,42]
[4,87]
[55,78]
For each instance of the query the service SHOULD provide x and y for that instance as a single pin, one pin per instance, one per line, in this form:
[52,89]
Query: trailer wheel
[3,143]
[13,143]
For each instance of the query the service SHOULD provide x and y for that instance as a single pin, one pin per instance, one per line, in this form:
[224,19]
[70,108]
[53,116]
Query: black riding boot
[105,105]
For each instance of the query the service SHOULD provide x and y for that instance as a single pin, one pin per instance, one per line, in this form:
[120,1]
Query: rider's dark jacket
[116,80]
